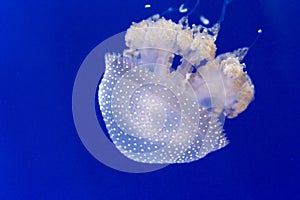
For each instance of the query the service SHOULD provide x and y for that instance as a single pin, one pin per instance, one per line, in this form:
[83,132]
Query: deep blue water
[43,44]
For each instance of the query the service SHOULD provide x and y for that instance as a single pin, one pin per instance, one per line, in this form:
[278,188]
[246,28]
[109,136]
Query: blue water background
[43,44]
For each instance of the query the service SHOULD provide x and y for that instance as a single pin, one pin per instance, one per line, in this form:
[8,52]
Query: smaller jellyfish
[158,113]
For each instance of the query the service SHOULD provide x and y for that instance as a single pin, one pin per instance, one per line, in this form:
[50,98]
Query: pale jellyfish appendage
[157,114]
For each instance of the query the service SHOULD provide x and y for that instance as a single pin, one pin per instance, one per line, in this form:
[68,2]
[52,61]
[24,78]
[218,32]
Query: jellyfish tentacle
[224,7]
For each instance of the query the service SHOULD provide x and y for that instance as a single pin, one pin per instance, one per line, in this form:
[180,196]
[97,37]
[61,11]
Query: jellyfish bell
[157,115]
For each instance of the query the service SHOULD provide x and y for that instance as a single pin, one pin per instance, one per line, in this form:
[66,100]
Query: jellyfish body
[155,114]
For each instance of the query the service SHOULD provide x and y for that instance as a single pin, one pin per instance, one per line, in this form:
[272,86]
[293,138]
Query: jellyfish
[156,112]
